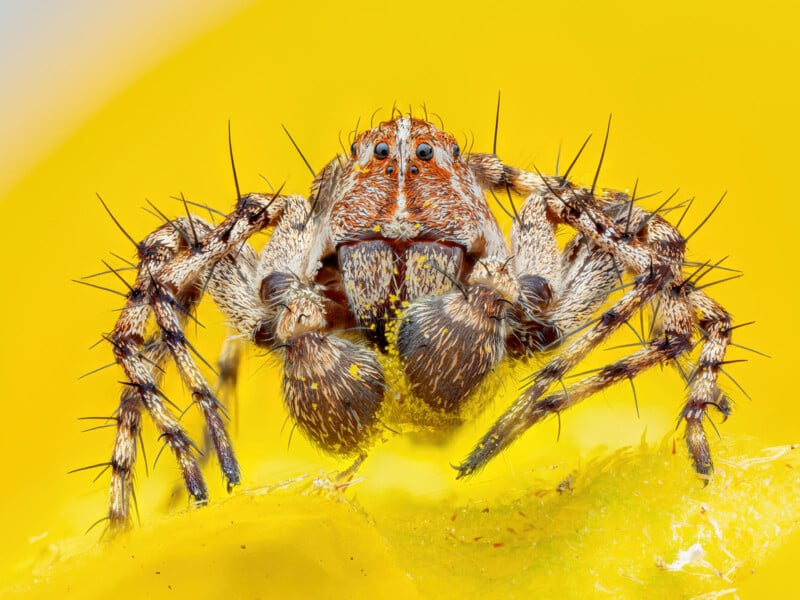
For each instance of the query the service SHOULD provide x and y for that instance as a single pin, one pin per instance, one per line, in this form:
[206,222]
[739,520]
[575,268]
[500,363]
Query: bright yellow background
[703,98]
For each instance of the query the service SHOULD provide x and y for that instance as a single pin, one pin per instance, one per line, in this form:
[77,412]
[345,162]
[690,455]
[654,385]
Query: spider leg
[559,291]
[648,246]
[232,283]
[230,358]
[533,241]
[528,409]
[166,316]
[168,285]
[715,325]
[143,392]
[142,364]
[228,364]
[531,409]
[587,276]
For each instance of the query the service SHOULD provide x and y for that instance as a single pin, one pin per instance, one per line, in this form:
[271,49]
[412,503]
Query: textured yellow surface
[702,97]
[624,524]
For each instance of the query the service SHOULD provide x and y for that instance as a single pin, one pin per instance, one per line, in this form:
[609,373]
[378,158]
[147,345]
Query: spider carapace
[398,237]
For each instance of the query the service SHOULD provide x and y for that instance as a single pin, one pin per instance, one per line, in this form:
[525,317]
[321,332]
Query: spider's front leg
[175,261]
[653,250]
[142,362]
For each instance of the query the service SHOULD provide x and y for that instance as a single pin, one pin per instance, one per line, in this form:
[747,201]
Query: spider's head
[404,150]
[407,180]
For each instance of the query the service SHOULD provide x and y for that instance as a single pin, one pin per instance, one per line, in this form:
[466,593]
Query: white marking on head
[403,137]
[443,157]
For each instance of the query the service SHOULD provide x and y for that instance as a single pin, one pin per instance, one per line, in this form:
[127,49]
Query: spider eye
[381,150]
[424,151]
[353,148]
[456,151]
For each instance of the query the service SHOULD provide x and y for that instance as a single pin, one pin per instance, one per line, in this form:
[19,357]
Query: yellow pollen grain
[376,228]
[354,372]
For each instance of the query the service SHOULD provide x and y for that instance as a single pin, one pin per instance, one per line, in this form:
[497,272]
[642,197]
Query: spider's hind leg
[228,363]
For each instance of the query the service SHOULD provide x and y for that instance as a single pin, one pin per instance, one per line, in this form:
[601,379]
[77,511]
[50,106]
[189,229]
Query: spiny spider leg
[168,285]
[654,251]
[715,324]
[228,363]
[142,364]
[528,409]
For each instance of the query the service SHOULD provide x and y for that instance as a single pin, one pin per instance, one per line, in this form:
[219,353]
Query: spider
[396,250]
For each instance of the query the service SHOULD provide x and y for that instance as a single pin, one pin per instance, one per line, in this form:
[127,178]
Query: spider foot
[497,439]
[697,441]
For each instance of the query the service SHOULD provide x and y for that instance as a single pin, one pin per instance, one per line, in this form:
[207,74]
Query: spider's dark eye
[353,148]
[456,151]
[414,170]
[424,151]
[381,150]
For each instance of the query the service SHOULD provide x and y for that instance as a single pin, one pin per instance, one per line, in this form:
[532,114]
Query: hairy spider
[397,250]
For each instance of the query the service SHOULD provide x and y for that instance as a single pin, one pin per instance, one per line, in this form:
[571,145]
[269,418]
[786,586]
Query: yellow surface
[703,98]
[625,524]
